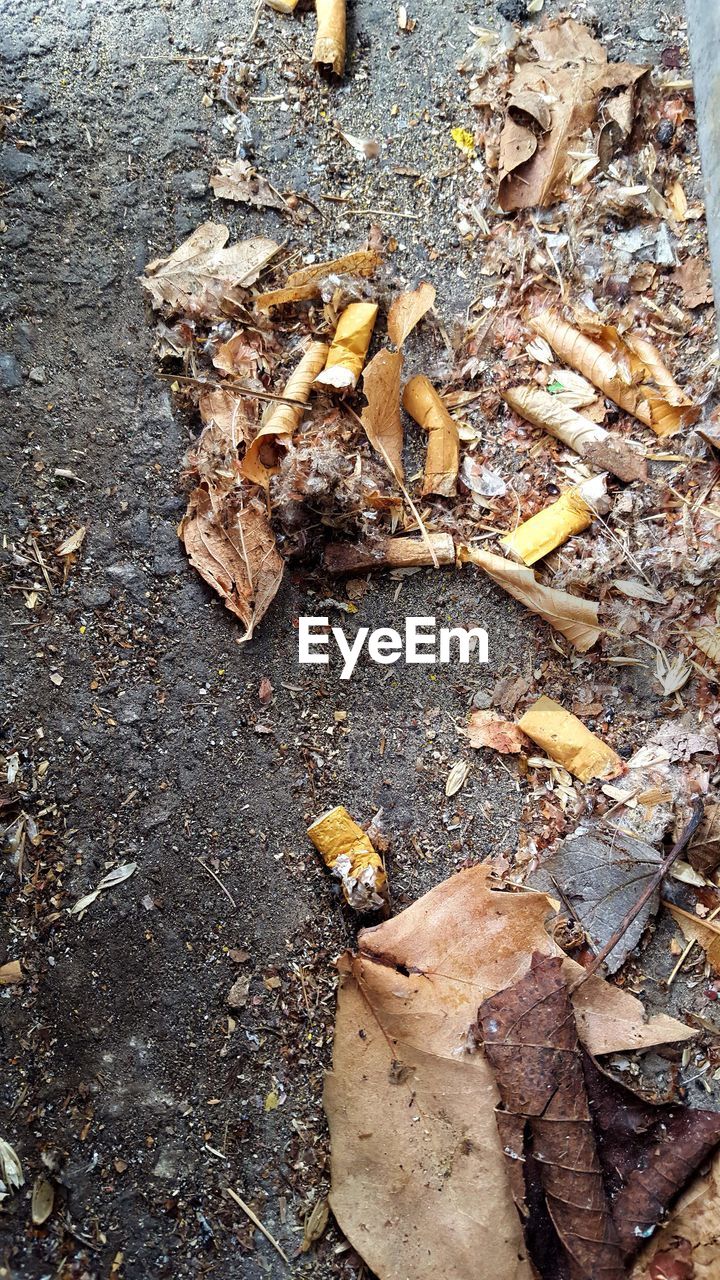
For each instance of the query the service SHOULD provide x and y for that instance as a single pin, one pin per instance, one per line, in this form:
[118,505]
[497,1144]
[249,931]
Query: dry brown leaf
[238,180]
[691,1233]
[274,438]
[381,418]
[205,276]
[233,548]
[693,277]
[487,729]
[609,452]
[704,852]
[573,617]
[329,47]
[553,100]
[624,368]
[566,739]
[704,932]
[422,402]
[407,310]
[306,283]
[223,409]
[72,544]
[419,1184]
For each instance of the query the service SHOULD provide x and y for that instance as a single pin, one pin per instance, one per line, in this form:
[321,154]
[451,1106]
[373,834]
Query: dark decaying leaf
[544,1121]
[593,1167]
[602,875]
[704,852]
[233,548]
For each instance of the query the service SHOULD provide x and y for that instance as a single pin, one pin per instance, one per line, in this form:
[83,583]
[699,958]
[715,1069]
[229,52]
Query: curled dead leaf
[381,417]
[407,310]
[232,546]
[204,276]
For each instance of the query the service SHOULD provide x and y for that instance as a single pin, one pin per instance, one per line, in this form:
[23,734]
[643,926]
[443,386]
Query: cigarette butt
[389,553]
[552,526]
[599,447]
[422,402]
[348,349]
[263,456]
[348,852]
[329,48]
[566,740]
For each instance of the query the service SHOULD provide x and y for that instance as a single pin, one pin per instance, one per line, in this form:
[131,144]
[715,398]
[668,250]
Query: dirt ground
[133,710]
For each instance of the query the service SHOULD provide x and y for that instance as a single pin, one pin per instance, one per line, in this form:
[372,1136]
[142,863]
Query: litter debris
[347,851]
[43,1200]
[626,368]
[306,283]
[565,739]
[573,617]
[422,402]
[329,47]
[348,349]
[574,511]
[262,458]
[597,446]
[11,973]
[389,553]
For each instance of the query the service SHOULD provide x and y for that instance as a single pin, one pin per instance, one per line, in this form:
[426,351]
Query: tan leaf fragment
[329,47]
[349,346]
[274,438]
[627,369]
[204,274]
[315,1224]
[43,1200]
[418,1181]
[11,973]
[567,740]
[422,402]
[488,729]
[381,417]
[306,283]
[238,180]
[233,549]
[707,640]
[574,617]
[704,932]
[407,310]
[72,543]
[553,100]
[600,447]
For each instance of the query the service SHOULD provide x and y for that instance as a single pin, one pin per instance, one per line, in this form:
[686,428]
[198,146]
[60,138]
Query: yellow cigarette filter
[422,402]
[567,741]
[264,455]
[552,526]
[348,349]
[348,852]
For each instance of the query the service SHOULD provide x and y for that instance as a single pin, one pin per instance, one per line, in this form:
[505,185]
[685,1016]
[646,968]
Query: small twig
[647,893]
[257,1223]
[210,872]
[247,392]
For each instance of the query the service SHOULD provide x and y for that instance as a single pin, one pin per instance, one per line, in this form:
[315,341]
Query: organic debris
[553,100]
[589,1186]
[488,729]
[238,180]
[409,1094]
